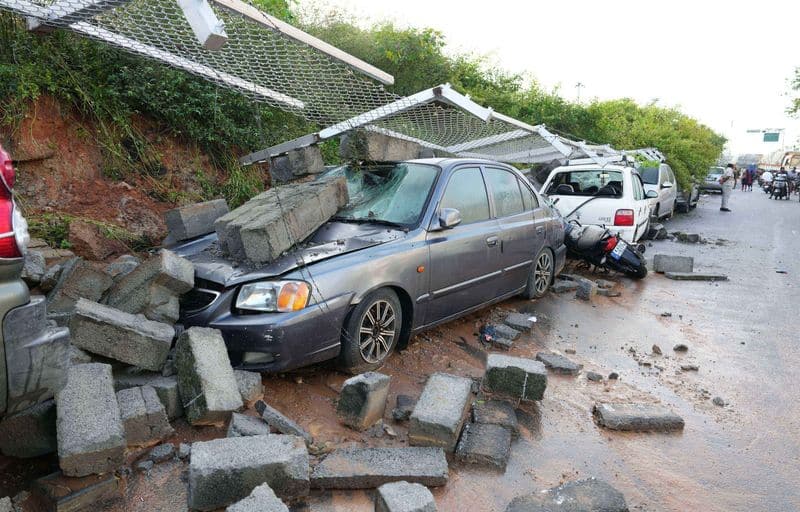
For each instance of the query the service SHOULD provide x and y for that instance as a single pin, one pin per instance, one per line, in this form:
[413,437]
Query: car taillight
[7,174]
[8,239]
[623,218]
[610,244]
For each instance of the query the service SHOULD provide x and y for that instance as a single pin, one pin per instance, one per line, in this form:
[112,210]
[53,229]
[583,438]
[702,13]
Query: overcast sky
[724,63]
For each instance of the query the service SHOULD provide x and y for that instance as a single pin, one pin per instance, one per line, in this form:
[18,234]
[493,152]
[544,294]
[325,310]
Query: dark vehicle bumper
[273,342]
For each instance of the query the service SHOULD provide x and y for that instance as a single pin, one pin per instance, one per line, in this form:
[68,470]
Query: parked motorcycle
[598,246]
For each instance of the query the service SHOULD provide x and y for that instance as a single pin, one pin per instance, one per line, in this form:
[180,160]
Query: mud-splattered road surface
[741,335]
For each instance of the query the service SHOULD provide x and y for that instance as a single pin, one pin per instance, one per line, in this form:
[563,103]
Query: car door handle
[539,230]
[491,241]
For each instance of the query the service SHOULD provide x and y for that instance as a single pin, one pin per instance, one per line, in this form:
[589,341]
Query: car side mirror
[666,184]
[651,194]
[449,218]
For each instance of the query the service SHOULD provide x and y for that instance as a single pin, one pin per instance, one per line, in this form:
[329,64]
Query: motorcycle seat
[589,237]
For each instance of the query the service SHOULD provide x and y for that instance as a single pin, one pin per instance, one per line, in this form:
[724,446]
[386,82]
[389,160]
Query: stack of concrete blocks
[143,416]
[153,288]
[194,220]
[91,437]
[362,400]
[272,222]
[372,146]
[206,381]
[35,354]
[227,470]
[77,280]
[166,387]
[131,339]
[440,411]
[296,164]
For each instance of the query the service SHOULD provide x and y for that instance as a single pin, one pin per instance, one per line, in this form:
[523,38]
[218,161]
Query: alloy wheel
[543,272]
[377,331]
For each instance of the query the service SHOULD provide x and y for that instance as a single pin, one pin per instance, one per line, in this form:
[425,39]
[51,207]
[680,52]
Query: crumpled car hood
[332,239]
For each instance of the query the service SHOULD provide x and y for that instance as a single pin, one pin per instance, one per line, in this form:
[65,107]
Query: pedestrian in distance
[726,180]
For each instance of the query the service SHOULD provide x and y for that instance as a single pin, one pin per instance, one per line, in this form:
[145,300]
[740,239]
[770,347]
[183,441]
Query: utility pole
[578,86]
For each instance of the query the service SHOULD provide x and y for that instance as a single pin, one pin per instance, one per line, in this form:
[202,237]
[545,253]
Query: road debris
[686,276]
[680,347]
[249,384]
[73,494]
[404,406]
[558,363]
[281,423]
[143,416]
[262,499]
[577,496]
[362,400]
[515,377]
[484,444]
[404,497]
[669,263]
[166,387]
[594,376]
[439,413]
[520,321]
[719,401]
[368,468]
[242,425]
[496,412]
[637,417]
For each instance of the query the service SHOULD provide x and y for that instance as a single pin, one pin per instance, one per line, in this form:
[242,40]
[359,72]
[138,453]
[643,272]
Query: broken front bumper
[272,342]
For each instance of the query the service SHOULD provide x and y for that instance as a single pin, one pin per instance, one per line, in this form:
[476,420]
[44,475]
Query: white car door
[641,206]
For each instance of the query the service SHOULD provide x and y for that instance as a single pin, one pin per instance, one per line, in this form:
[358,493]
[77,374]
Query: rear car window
[466,193]
[649,175]
[592,182]
[505,192]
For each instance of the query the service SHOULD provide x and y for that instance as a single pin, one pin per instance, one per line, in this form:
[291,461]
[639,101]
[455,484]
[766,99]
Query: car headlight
[273,296]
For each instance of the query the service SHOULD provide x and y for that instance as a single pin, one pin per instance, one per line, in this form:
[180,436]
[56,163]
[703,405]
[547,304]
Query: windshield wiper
[367,220]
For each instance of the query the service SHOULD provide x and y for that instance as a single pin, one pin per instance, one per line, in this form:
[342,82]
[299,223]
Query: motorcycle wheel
[632,264]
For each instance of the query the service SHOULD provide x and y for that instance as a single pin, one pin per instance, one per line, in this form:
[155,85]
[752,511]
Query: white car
[661,180]
[612,195]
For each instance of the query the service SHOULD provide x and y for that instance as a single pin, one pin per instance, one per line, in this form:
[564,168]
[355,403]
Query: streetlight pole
[578,86]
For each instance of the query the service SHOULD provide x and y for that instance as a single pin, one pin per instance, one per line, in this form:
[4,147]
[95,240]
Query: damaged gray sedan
[420,243]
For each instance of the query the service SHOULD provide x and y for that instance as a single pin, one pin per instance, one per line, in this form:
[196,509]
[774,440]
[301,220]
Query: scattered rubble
[270,223]
[250,387]
[122,266]
[166,387]
[281,423]
[121,336]
[680,347]
[484,444]
[637,417]
[368,468]
[143,416]
[91,437]
[558,363]
[77,280]
[262,499]
[586,290]
[50,278]
[519,321]
[145,465]
[30,432]
[683,276]
[67,494]
[656,350]
[223,471]
[690,367]
[590,495]
[242,425]
[362,400]
[719,401]
[404,497]
[34,269]
[667,263]
[692,238]
[162,453]
[515,377]
[496,412]
[205,378]
[594,376]
[376,147]
[564,286]
[506,332]
[184,450]
[439,413]
[613,376]
[607,292]
[193,220]
[404,406]
[296,163]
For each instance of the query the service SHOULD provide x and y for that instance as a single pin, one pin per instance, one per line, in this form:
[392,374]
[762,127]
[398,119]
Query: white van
[661,180]
[612,195]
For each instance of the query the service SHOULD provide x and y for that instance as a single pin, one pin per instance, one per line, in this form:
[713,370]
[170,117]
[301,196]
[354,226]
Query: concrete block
[404,497]
[78,280]
[564,286]
[377,147]
[368,468]
[262,499]
[250,387]
[280,422]
[580,495]
[506,332]
[91,438]
[162,453]
[296,163]
[515,377]
[558,363]
[34,269]
[132,293]
[496,412]
[205,378]
[194,220]
[163,305]
[404,406]
[484,444]
[64,494]
[362,400]
[695,276]
[586,290]
[36,354]
[122,266]
[143,416]
[637,417]
[121,336]
[440,411]
[667,263]
[519,321]
[242,425]
[50,278]
[30,432]
[166,388]
[227,470]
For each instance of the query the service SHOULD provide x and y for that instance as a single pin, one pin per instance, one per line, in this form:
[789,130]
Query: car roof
[593,167]
[450,161]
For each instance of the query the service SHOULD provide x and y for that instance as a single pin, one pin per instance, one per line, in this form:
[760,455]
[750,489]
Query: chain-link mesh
[261,61]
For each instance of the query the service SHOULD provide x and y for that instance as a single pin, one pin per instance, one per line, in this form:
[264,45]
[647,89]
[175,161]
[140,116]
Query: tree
[794,84]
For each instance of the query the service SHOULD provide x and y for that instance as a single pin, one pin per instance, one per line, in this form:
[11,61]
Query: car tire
[381,313]
[541,275]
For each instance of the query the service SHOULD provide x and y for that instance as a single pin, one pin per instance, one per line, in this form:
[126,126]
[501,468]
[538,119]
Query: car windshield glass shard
[587,183]
[393,194]
[650,175]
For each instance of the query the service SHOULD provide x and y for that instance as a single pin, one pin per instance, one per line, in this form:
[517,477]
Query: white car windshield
[594,182]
